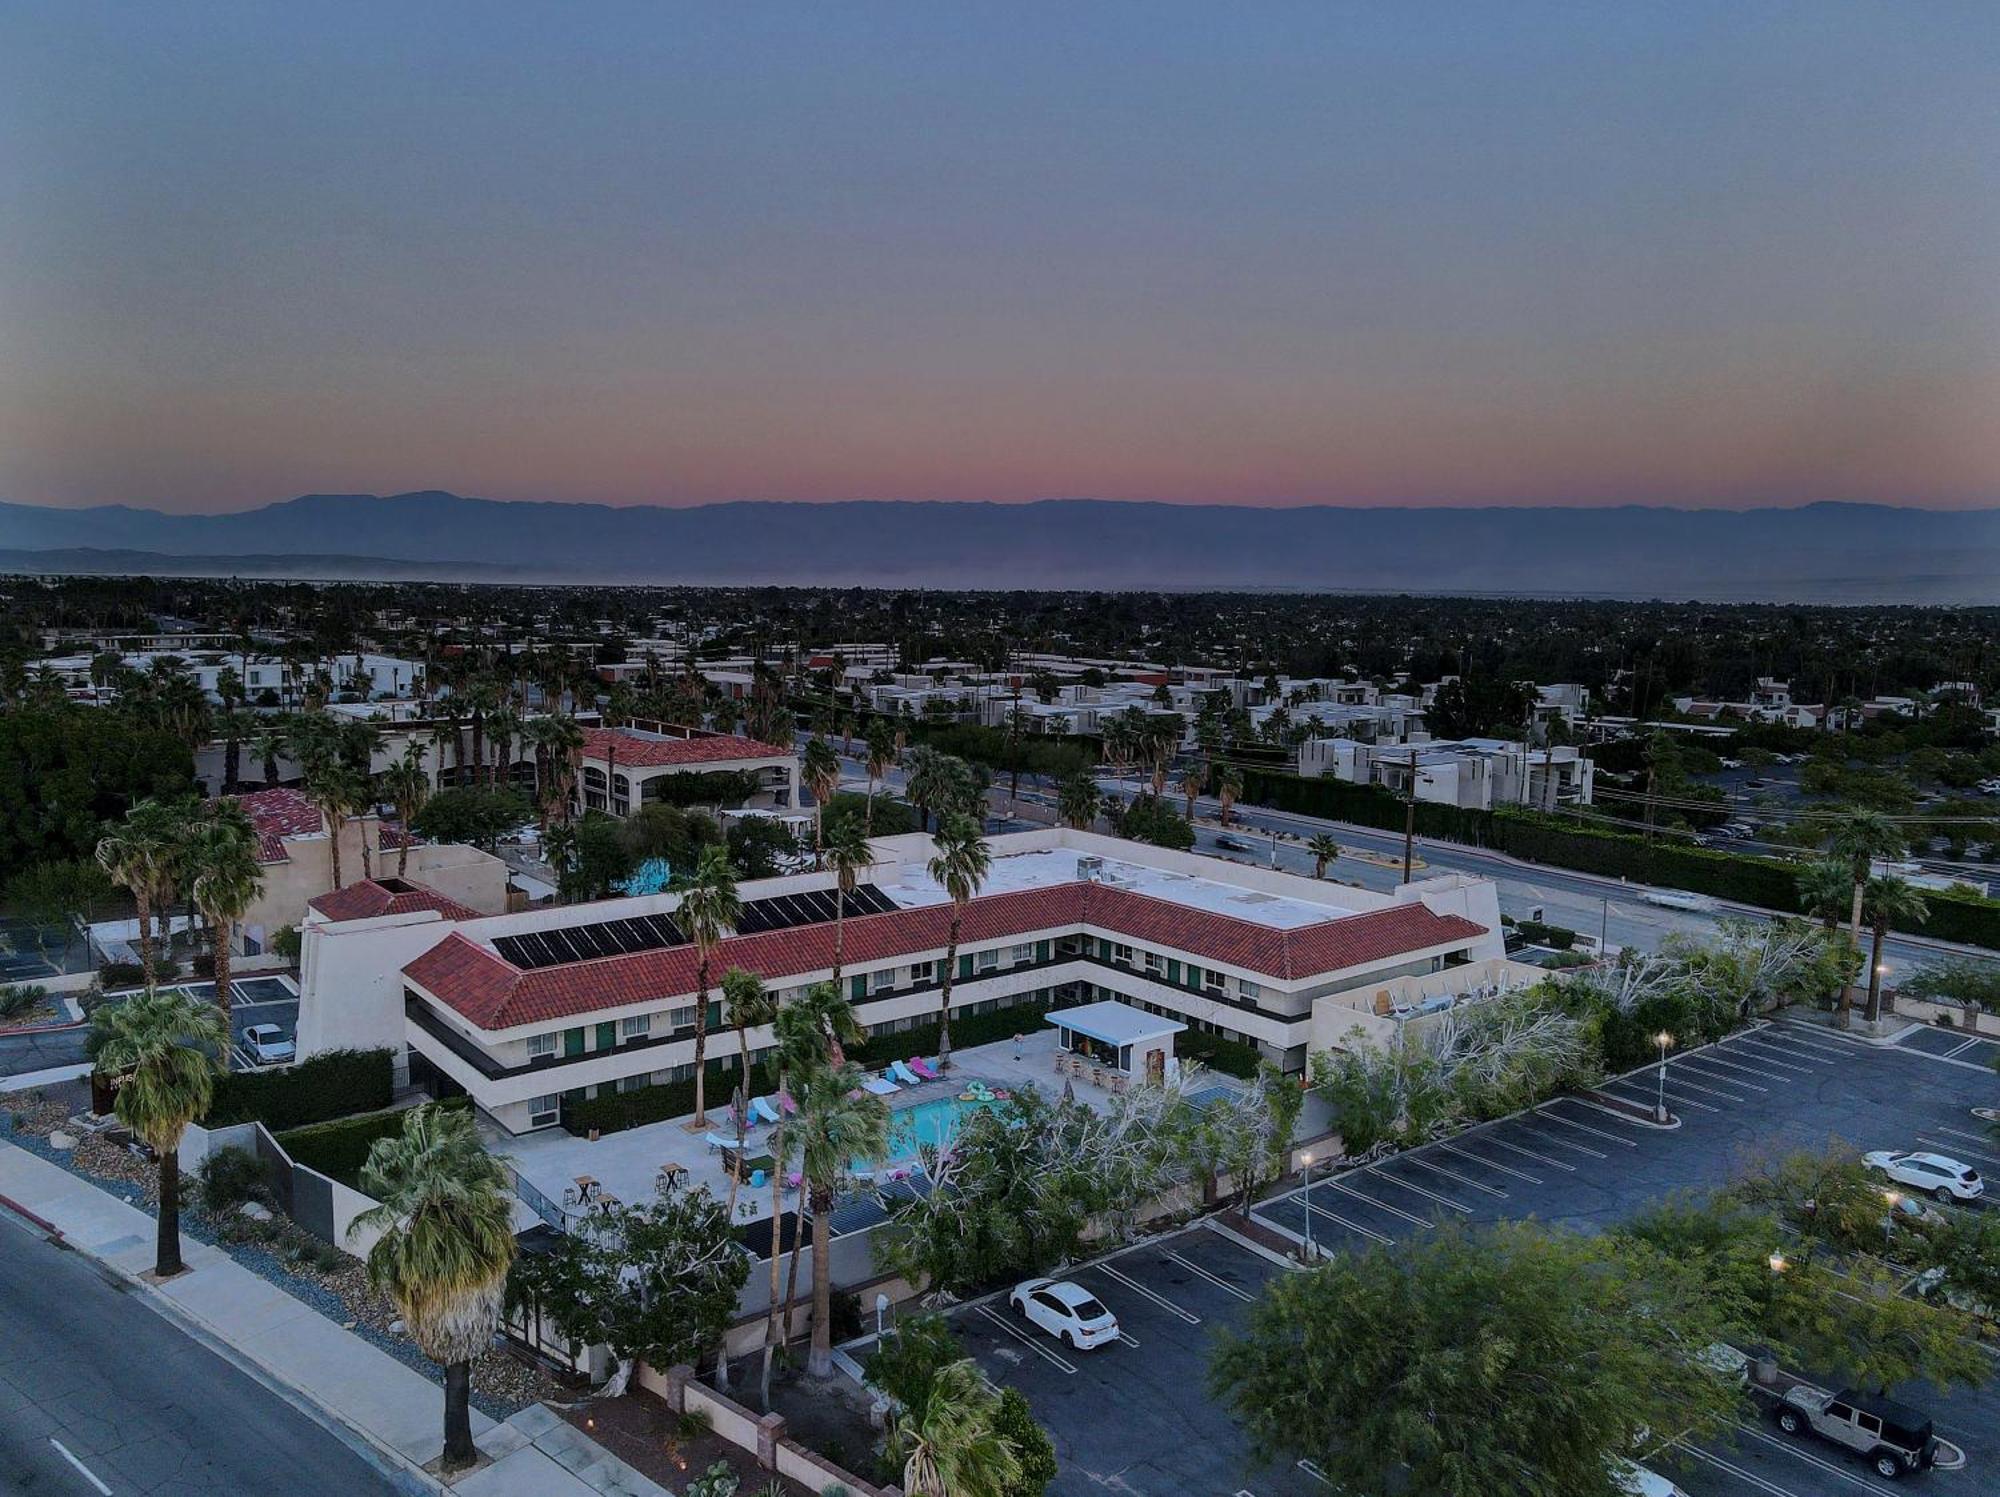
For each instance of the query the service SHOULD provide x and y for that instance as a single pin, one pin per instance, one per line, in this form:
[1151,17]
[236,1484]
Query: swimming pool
[926,1125]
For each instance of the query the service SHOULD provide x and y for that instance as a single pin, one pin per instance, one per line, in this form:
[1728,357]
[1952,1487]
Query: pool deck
[627,1164]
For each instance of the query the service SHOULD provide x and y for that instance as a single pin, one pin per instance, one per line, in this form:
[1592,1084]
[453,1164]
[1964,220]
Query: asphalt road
[137,1405]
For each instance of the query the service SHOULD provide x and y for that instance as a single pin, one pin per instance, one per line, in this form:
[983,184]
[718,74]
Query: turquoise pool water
[925,1125]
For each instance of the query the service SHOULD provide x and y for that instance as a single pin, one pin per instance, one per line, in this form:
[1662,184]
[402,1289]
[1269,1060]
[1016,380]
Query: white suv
[1069,1312]
[1933,1174]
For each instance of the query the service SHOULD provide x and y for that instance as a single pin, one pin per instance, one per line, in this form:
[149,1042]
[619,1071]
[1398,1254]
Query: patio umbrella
[1069,1088]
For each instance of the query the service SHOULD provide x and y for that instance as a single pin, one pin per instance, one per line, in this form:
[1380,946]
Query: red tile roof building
[368,899]
[634,750]
[279,813]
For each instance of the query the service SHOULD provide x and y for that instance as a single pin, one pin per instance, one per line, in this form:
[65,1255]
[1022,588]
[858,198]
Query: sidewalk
[341,1379]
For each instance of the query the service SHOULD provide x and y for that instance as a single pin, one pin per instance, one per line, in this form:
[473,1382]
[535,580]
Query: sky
[1393,253]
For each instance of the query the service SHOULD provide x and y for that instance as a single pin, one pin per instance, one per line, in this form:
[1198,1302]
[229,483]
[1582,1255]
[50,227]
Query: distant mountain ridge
[1827,552]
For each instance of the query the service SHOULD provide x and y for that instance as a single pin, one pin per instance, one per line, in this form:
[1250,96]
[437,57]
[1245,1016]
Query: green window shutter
[607,1036]
[572,1042]
[965,965]
[715,1015]
[1103,948]
[1041,951]
[1193,975]
[857,986]
[1173,970]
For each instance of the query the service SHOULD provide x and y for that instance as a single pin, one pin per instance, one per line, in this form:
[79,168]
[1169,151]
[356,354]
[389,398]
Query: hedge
[1218,1053]
[1765,882]
[335,1084]
[340,1148]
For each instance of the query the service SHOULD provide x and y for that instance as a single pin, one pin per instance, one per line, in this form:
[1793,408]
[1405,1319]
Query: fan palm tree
[819,767]
[1228,785]
[1823,891]
[950,1439]
[709,906]
[225,878]
[503,727]
[233,726]
[930,783]
[1194,781]
[881,741]
[139,854]
[160,1050]
[1079,801]
[1324,850]
[337,792]
[848,854]
[837,1122]
[446,1218]
[1859,839]
[408,785]
[746,1004]
[960,867]
[1890,901]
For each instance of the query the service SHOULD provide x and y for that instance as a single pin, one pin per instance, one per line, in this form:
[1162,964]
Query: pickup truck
[1892,1437]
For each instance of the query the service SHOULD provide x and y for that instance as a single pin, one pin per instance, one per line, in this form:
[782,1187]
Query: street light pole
[1662,1039]
[1305,1199]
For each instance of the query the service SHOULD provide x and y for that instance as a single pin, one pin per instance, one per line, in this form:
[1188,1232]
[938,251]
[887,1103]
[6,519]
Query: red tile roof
[277,814]
[643,751]
[368,898]
[494,994]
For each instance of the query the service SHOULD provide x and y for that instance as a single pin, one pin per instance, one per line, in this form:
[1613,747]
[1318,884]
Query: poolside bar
[1115,1037]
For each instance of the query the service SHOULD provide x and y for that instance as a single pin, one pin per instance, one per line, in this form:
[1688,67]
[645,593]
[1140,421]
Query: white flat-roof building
[1473,773]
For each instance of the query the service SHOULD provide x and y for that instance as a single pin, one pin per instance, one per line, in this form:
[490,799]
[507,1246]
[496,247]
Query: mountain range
[1824,552]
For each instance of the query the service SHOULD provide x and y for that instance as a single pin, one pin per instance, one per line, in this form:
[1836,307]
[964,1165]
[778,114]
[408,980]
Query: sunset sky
[1388,253]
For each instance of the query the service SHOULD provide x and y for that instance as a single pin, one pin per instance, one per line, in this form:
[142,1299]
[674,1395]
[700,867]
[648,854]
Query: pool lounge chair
[923,1068]
[764,1108]
[786,1105]
[904,1074]
[723,1141]
[880,1086]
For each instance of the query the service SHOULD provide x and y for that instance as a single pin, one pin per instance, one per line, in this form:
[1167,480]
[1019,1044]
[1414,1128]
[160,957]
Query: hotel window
[1122,954]
[631,1083]
[543,1111]
[1213,980]
[921,972]
[1245,988]
[987,961]
[882,979]
[683,1018]
[1155,964]
[1021,955]
[637,1026]
[541,1046]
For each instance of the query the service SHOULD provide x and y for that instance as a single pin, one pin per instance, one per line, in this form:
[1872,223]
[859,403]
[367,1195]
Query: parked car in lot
[267,1044]
[1069,1312]
[1636,1481]
[1892,1437]
[1934,1174]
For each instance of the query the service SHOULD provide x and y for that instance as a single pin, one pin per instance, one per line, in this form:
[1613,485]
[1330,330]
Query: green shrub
[1218,1053]
[18,1000]
[646,1104]
[339,1149]
[234,1177]
[1556,937]
[335,1084]
[131,974]
[1016,1420]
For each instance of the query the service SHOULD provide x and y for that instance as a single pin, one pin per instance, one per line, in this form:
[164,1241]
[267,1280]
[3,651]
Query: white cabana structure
[1117,1038]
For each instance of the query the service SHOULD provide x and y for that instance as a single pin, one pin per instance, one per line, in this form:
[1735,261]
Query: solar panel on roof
[809,907]
[561,945]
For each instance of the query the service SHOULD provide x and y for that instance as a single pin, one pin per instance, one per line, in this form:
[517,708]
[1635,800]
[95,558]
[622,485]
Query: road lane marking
[1418,1190]
[1556,1117]
[1031,1343]
[1220,1283]
[1140,1289]
[1501,1143]
[1378,1205]
[1438,1169]
[1505,1169]
[85,1471]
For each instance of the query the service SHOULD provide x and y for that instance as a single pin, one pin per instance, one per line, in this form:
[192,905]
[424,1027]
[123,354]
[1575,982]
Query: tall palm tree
[881,741]
[950,1439]
[446,1218]
[1078,801]
[848,854]
[709,907]
[139,855]
[1324,850]
[837,1122]
[929,784]
[746,1004]
[1228,785]
[960,867]
[1891,901]
[1823,891]
[503,727]
[160,1050]
[819,767]
[233,726]
[1858,839]
[225,879]
[337,792]
[1194,780]
[408,785]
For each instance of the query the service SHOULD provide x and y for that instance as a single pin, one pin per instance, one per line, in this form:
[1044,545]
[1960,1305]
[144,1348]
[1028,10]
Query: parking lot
[1136,1417]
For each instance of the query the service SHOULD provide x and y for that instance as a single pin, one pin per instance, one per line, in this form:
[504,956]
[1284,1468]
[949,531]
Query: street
[101,1397]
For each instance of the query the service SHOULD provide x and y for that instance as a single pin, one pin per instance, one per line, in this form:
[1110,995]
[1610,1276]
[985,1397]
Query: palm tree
[446,1218]
[139,854]
[1823,891]
[1891,901]
[408,785]
[337,792]
[1859,839]
[1194,780]
[503,726]
[950,1438]
[160,1050]
[1078,802]
[226,878]
[929,784]
[837,1122]
[881,741]
[1228,785]
[1324,850]
[819,767]
[233,725]
[960,867]
[709,907]
[848,854]
[746,1003]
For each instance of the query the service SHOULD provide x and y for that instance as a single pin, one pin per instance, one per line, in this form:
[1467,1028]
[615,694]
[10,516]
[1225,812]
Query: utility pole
[1410,817]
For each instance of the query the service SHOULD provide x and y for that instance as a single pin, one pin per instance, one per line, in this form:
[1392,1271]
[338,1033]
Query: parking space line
[1960,1049]
[1369,1232]
[1798,1452]
[85,1471]
[1438,1169]
[1501,1143]
[1140,1289]
[1418,1190]
[1690,1062]
[1128,1338]
[1034,1346]
[1558,1141]
[1378,1205]
[1978,1138]
[1766,1052]
[1958,1148]
[1647,1095]
[1739,1472]
[1830,1041]
[1315,1473]
[1505,1169]
[1677,1076]
[1556,1117]
[1220,1283]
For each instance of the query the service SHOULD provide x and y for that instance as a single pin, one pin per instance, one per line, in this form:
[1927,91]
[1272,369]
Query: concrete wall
[351,979]
[466,874]
[318,1203]
[762,1436]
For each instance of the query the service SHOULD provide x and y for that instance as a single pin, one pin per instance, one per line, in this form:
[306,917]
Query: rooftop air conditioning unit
[1091,868]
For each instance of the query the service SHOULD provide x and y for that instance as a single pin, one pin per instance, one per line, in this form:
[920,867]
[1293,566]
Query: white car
[1933,1174]
[1069,1312]
[267,1044]
[1637,1481]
